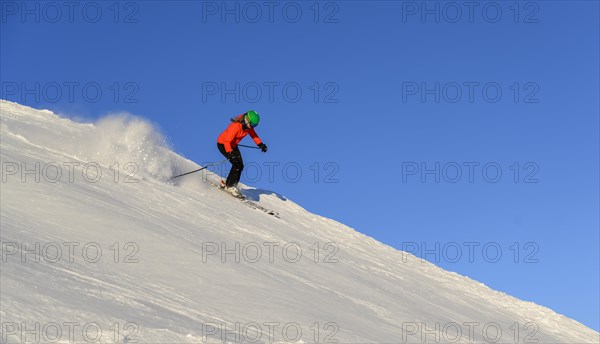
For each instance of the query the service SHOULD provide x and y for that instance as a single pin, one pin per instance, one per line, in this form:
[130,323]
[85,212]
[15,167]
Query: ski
[247,202]
[259,207]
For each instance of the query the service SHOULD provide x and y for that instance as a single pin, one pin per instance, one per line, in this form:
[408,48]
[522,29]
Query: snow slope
[88,256]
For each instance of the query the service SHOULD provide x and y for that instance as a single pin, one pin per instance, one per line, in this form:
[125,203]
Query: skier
[228,141]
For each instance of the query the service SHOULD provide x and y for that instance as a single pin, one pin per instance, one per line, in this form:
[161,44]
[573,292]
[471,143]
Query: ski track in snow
[170,295]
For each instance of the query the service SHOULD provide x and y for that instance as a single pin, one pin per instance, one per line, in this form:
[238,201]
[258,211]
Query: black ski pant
[237,165]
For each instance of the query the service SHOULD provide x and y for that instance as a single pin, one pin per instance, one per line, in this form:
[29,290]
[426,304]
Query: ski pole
[248,146]
[200,169]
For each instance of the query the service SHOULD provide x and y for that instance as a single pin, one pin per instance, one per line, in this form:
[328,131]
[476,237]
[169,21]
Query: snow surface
[165,286]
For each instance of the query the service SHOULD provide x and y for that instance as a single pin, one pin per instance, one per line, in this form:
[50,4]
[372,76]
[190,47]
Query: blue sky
[371,102]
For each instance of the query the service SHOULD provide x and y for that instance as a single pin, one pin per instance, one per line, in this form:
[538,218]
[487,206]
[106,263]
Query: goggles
[247,121]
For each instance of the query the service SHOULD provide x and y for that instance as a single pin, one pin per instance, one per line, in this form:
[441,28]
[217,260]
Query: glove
[263,147]
[230,156]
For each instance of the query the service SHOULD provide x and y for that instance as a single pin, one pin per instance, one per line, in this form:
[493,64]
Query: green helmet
[252,118]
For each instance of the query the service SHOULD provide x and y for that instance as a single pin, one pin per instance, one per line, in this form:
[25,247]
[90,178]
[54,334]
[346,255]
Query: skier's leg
[237,166]
[221,148]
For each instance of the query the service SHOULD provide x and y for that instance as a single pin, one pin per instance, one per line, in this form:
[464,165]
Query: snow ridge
[92,255]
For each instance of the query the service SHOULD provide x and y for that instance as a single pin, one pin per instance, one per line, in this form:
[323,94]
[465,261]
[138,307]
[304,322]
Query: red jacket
[232,136]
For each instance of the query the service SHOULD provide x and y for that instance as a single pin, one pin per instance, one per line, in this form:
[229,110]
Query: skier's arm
[229,137]
[255,137]
[258,141]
